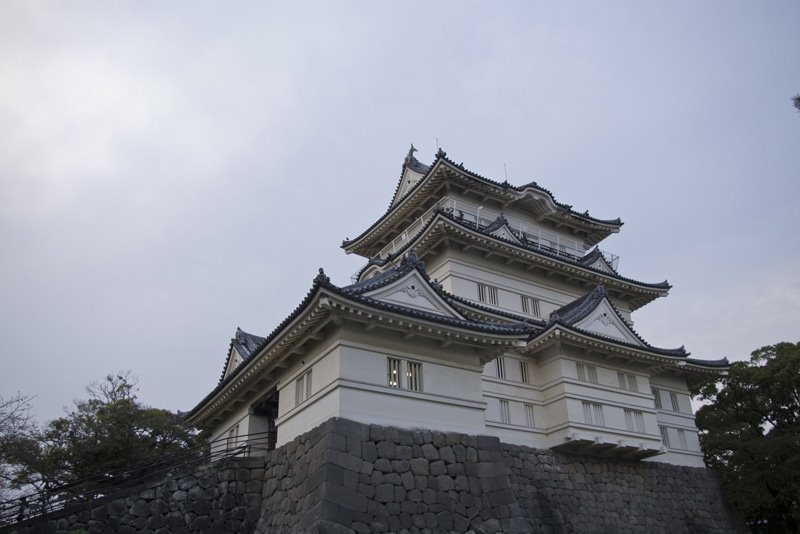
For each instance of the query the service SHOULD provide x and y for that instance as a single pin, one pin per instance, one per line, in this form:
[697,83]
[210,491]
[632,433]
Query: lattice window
[530,306]
[500,363]
[593,414]
[487,294]
[587,373]
[657,398]
[634,421]
[524,372]
[673,399]
[393,372]
[627,381]
[414,376]
[403,374]
[505,413]
[665,436]
[529,420]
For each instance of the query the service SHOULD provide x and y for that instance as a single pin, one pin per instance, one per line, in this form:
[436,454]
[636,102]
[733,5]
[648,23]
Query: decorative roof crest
[410,156]
[410,261]
[322,278]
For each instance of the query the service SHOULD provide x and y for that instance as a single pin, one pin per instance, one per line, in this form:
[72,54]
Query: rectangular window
[593,414]
[587,373]
[403,374]
[682,439]
[233,437]
[673,399]
[524,373]
[530,306]
[505,414]
[302,387]
[657,398]
[634,421]
[529,416]
[393,372]
[414,376]
[487,294]
[501,367]
[664,435]
[627,381]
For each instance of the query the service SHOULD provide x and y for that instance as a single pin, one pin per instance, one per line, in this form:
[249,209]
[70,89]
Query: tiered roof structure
[482,308]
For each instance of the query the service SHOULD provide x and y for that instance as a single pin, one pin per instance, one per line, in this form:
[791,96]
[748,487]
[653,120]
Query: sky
[172,170]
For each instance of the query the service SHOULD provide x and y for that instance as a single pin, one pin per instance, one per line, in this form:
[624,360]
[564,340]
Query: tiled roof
[595,255]
[580,308]
[245,343]
[441,155]
[523,243]
[354,293]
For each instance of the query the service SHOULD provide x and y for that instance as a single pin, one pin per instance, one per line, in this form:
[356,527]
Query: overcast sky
[170,171]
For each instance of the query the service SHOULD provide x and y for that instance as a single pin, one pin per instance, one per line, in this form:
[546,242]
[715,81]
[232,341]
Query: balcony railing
[480,217]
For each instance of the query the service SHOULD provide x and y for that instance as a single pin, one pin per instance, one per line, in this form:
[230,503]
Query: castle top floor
[530,209]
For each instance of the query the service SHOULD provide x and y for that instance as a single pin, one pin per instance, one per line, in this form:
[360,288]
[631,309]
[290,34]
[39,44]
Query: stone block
[384,493]
[369,451]
[345,498]
[429,452]
[386,449]
[383,465]
[437,468]
[419,466]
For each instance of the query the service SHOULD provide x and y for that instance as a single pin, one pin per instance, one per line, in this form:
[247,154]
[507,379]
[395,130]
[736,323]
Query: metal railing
[480,217]
[35,502]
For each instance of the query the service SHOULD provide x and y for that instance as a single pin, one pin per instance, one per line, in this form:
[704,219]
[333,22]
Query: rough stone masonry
[347,477]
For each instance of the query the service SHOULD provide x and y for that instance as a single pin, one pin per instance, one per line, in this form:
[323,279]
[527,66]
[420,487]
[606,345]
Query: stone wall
[346,477]
[223,497]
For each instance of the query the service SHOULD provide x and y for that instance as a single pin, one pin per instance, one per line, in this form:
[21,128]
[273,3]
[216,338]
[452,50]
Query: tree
[796,101]
[15,425]
[109,438]
[750,434]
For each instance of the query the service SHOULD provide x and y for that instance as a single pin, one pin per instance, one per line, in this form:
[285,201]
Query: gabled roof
[360,299]
[244,345]
[405,204]
[597,260]
[574,315]
[442,221]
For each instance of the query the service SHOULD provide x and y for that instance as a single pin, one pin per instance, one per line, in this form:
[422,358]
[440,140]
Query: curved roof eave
[508,334]
[608,225]
[660,287]
[558,329]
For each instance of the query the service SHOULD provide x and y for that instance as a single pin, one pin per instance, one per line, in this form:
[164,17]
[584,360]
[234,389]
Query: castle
[483,309]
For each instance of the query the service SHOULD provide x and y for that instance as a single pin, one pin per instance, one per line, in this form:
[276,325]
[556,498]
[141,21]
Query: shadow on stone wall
[347,477]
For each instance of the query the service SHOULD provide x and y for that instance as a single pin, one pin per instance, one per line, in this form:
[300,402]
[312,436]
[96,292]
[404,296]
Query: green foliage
[750,434]
[108,438]
[15,425]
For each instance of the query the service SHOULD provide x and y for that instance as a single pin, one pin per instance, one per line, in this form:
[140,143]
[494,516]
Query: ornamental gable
[605,321]
[413,291]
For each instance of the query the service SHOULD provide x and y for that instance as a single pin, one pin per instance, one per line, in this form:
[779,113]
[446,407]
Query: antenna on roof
[505,171]
[437,144]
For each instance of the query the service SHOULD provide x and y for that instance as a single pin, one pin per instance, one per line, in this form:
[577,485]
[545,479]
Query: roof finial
[322,278]
[410,155]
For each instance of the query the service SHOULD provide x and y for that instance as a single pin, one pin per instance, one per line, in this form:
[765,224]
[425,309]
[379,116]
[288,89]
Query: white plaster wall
[219,434]
[389,406]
